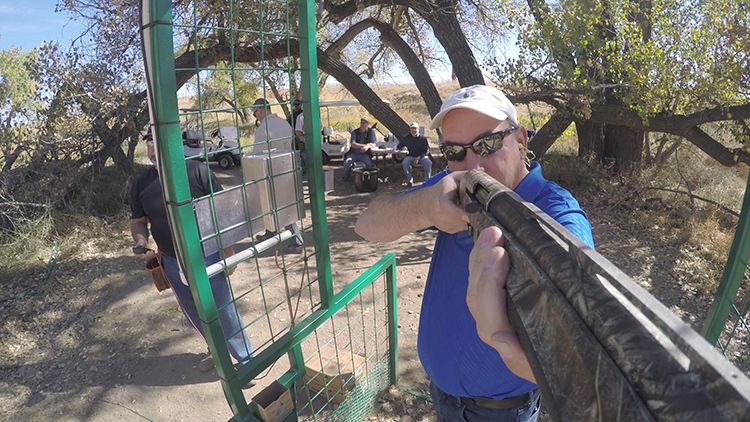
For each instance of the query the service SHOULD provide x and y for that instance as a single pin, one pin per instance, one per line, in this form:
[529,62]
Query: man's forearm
[139,231]
[389,217]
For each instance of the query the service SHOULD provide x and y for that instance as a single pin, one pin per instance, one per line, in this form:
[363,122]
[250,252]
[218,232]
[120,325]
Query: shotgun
[600,346]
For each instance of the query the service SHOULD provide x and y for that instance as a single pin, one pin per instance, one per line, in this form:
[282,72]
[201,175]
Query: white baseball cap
[415,124]
[480,98]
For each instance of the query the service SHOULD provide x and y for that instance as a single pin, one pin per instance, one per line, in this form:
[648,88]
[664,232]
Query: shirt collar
[531,185]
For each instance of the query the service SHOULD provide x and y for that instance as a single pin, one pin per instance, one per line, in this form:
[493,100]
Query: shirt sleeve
[136,208]
[579,225]
[299,125]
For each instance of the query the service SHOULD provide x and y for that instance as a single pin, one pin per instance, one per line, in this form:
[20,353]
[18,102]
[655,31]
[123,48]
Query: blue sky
[27,23]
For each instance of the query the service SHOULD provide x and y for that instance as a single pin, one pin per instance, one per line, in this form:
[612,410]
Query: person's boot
[265,236]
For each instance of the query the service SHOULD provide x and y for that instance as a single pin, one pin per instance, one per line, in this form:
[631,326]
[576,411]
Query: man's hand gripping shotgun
[600,346]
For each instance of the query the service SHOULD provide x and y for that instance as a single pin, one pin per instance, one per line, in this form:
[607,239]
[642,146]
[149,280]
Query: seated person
[418,150]
[363,140]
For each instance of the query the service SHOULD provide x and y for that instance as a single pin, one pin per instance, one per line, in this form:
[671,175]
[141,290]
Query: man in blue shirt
[472,380]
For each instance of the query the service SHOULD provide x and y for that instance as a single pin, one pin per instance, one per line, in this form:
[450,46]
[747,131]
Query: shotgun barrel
[600,346]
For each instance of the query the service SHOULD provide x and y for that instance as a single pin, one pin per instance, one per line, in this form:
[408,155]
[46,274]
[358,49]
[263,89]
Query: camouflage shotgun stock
[600,346]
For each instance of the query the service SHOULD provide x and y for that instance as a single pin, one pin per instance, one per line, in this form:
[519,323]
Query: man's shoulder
[146,177]
[194,164]
[277,121]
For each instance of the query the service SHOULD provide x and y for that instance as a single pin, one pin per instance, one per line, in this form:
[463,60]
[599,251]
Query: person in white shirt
[299,129]
[273,131]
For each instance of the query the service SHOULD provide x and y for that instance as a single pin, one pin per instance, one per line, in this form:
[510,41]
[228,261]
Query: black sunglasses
[483,146]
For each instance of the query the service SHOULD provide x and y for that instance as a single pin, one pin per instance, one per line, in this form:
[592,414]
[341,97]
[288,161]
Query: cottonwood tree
[618,69]
[346,29]
[228,89]
[19,104]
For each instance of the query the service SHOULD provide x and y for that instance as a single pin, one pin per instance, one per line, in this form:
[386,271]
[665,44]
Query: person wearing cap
[147,209]
[473,378]
[362,141]
[273,132]
[299,130]
[296,111]
[299,141]
[418,150]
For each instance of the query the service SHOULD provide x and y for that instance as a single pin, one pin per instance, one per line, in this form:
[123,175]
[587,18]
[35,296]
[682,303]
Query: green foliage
[226,87]
[20,104]
[18,86]
[678,57]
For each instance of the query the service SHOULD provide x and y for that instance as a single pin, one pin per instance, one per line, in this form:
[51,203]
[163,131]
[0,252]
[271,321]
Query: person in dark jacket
[418,150]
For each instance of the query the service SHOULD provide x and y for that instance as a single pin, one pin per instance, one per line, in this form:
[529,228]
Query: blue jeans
[231,323]
[298,234]
[303,161]
[450,409]
[354,157]
[425,162]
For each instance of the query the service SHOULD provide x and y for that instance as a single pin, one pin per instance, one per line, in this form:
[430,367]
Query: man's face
[259,114]
[414,131]
[462,126]
[298,107]
[363,124]
[151,150]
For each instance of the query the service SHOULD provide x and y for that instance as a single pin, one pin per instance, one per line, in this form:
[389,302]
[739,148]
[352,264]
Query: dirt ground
[100,344]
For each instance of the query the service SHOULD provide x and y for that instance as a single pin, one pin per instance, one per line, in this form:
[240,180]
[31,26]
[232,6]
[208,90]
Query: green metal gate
[287,302]
[726,325]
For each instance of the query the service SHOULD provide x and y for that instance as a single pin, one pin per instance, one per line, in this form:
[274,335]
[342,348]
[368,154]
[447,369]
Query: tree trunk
[419,74]
[366,96]
[590,140]
[443,19]
[11,158]
[623,145]
[448,32]
[548,134]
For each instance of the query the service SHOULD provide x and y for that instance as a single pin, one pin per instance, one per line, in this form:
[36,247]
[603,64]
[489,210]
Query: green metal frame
[160,66]
[289,344]
[727,315]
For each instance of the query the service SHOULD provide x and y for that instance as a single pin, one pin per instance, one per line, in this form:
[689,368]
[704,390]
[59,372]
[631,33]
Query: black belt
[506,403]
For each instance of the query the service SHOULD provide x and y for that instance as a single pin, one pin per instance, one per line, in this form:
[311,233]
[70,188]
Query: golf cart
[226,151]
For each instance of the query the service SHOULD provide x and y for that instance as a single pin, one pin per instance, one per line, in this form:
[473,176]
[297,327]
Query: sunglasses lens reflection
[482,146]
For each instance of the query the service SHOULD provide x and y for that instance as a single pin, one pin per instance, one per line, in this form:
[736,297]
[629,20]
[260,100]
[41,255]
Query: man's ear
[524,136]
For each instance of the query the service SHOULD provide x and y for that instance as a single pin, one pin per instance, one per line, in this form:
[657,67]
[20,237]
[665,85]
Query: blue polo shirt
[450,349]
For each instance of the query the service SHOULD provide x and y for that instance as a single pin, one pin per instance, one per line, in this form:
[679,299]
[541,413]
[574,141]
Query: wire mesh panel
[350,359]
[243,219]
[727,321]
[734,339]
